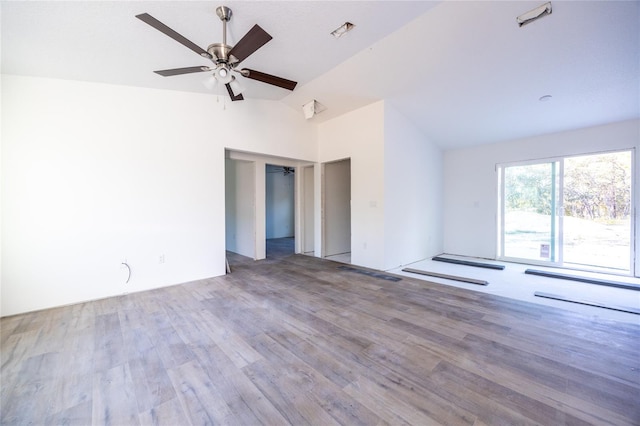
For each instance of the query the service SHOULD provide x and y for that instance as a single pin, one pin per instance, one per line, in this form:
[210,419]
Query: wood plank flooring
[295,340]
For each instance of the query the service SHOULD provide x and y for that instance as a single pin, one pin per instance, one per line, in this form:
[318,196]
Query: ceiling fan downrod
[224,13]
[220,51]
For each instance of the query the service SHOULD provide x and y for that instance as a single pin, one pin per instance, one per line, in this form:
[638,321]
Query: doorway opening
[337,211]
[279,210]
[573,212]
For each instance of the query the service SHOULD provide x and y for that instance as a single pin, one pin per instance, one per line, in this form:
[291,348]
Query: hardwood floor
[295,340]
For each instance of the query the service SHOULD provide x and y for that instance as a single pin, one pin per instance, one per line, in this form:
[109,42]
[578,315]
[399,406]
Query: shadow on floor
[277,248]
[280,247]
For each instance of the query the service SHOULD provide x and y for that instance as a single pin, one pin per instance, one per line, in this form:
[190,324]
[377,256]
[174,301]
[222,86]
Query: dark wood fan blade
[234,97]
[145,17]
[269,79]
[252,41]
[178,71]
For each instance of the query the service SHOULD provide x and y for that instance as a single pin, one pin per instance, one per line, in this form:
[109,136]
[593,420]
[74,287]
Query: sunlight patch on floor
[512,282]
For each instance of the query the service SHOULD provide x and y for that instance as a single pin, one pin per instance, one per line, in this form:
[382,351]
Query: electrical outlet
[161,259]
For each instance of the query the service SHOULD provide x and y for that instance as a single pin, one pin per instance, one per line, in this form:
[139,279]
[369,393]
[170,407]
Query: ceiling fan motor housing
[220,54]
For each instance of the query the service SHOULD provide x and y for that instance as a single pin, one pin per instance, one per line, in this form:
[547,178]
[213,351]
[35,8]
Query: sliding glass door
[572,212]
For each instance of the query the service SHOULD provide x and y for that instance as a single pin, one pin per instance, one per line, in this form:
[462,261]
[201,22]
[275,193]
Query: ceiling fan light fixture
[236,86]
[210,82]
[223,74]
[342,29]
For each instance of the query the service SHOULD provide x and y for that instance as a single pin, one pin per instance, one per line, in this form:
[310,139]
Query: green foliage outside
[528,188]
[596,187]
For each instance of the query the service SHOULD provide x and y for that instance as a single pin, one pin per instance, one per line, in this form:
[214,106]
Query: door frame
[260,161]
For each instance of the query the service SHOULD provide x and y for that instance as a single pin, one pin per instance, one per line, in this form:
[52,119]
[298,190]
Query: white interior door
[308,210]
[337,207]
[240,207]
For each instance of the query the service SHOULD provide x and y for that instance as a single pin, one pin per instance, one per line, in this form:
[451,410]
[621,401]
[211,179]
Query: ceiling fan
[284,170]
[225,58]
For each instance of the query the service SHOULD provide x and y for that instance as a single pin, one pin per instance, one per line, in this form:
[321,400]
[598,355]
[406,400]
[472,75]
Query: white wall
[359,135]
[279,203]
[94,174]
[470,179]
[413,192]
[396,185]
[240,210]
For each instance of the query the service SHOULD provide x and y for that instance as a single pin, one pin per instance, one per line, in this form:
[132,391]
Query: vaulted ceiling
[464,72]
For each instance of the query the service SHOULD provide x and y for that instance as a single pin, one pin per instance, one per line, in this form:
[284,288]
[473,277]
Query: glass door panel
[530,218]
[597,210]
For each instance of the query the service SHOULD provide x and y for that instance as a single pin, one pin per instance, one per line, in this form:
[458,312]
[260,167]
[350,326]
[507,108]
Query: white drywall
[359,135]
[470,179]
[396,185]
[240,211]
[93,175]
[413,192]
[279,202]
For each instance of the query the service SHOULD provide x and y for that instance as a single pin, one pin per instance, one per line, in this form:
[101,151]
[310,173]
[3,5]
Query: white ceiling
[463,72]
